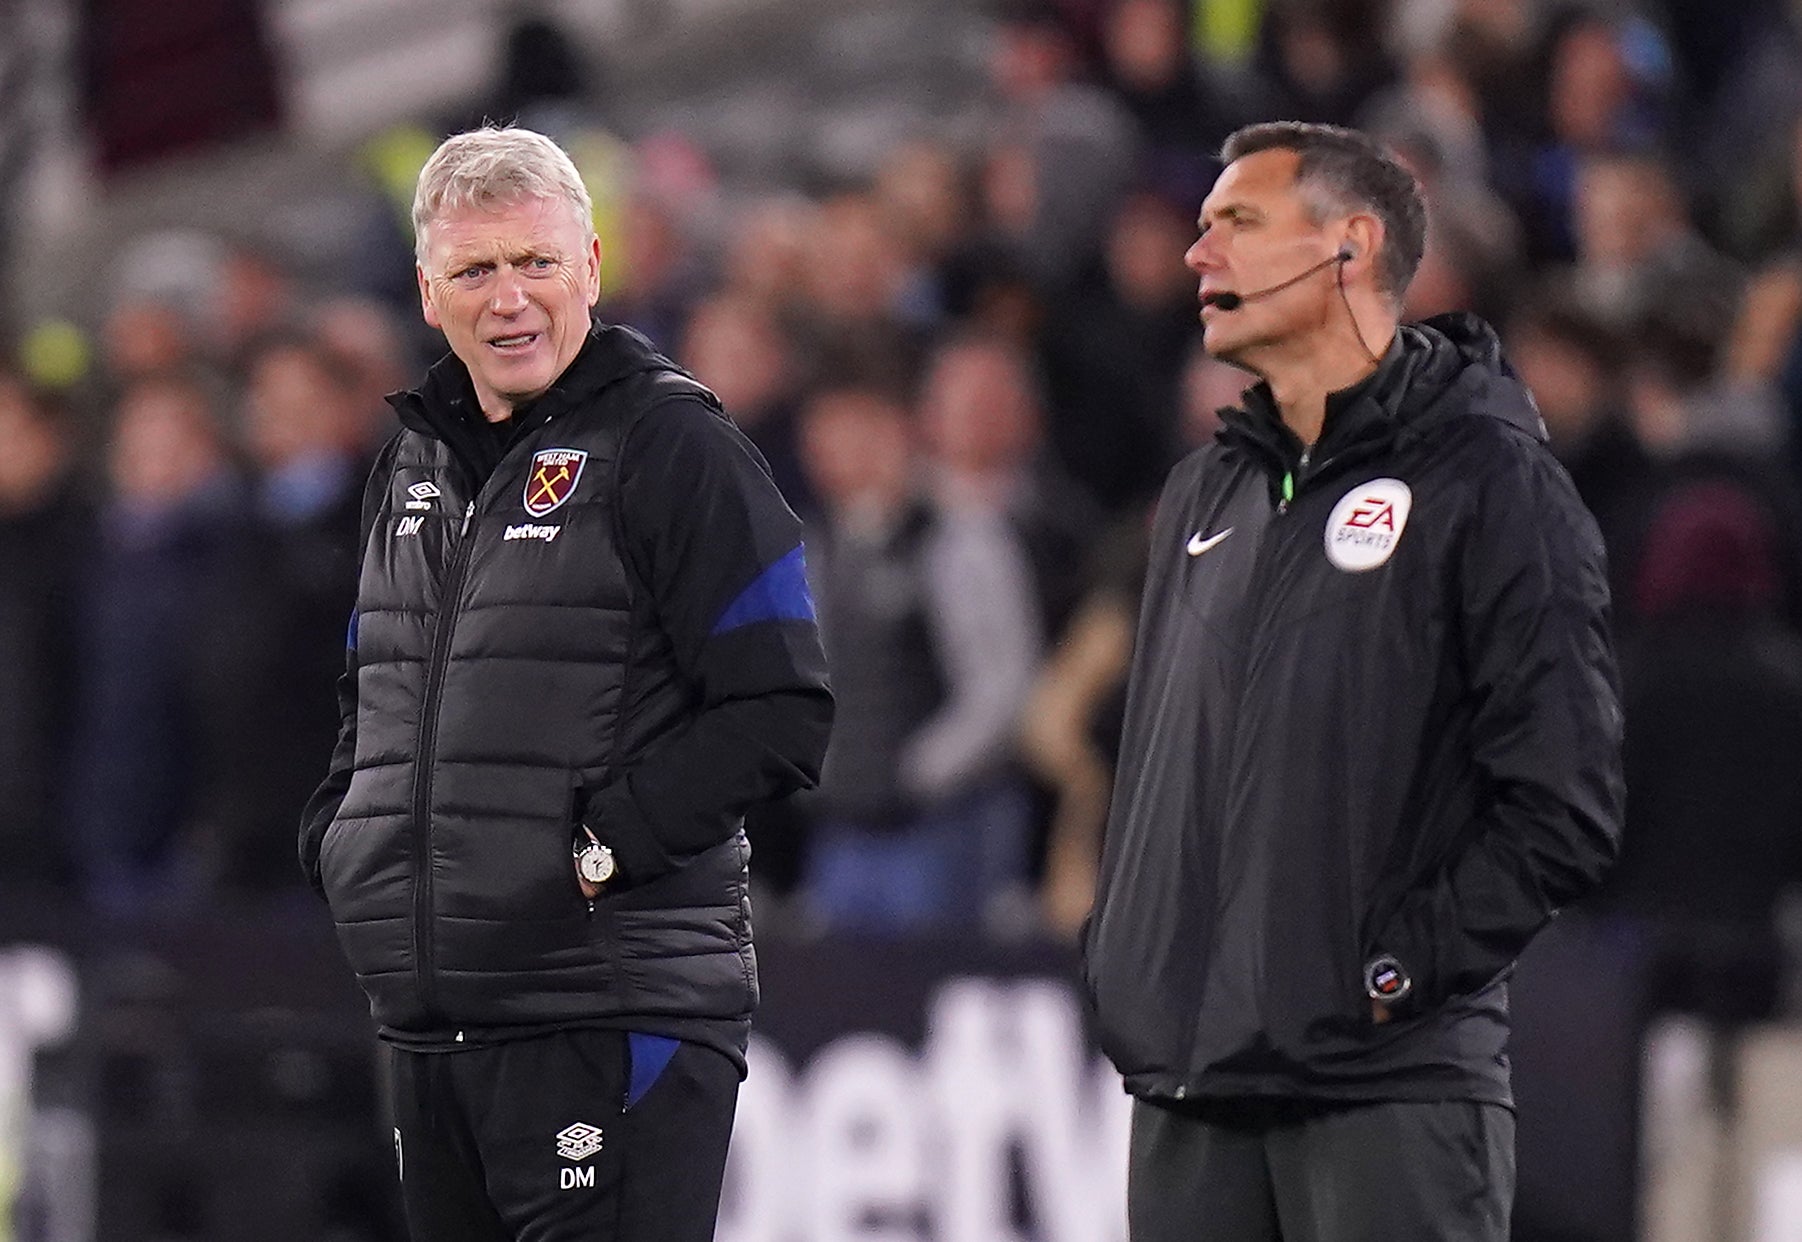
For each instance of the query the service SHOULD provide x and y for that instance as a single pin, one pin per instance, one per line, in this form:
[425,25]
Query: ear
[593,261]
[425,298]
[1363,238]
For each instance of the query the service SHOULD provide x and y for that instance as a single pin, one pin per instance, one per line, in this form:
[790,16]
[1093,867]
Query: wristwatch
[594,861]
[1385,980]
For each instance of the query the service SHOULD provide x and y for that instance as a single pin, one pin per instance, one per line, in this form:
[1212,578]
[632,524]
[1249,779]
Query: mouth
[517,343]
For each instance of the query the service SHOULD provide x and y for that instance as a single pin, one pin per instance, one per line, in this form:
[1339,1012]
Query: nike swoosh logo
[1198,545]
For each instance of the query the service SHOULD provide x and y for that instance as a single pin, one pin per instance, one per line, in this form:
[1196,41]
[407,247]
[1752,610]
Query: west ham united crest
[552,478]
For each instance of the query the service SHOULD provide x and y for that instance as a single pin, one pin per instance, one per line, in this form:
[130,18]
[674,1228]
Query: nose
[509,292]
[1199,257]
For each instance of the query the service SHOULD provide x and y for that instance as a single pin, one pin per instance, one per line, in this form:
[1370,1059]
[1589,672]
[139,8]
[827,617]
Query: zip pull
[1289,479]
[467,515]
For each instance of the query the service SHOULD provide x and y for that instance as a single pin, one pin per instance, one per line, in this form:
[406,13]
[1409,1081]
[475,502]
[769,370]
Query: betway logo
[999,1113]
[528,531]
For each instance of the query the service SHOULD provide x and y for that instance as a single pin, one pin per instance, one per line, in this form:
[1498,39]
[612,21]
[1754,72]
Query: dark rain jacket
[603,622]
[1381,717]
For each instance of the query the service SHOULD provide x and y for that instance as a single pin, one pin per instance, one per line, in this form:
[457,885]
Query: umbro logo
[1198,545]
[579,1142]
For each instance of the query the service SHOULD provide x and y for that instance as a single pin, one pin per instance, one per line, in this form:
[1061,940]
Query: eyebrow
[458,263]
[1229,211]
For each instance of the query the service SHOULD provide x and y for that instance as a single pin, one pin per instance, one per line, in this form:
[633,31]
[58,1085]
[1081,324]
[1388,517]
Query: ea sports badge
[1367,523]
[551,478]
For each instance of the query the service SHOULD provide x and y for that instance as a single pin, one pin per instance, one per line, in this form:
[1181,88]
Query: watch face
[595,863]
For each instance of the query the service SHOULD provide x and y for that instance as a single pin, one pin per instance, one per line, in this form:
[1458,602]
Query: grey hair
[490,167]
[1341,172]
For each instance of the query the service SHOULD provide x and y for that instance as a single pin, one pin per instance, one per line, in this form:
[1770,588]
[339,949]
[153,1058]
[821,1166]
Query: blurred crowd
[970,371]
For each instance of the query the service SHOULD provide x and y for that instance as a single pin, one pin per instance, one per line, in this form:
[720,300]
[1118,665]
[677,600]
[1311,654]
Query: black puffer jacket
[1379,718]
[611,625]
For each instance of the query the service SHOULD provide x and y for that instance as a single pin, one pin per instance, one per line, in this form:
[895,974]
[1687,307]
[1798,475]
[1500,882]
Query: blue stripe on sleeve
[350,634]
[779,593]
[649,1056]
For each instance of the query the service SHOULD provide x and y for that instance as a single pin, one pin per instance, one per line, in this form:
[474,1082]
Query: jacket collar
[1364,411]
[1426,363]
[446,402]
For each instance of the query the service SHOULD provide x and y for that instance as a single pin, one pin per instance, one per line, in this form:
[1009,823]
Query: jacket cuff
[617,823]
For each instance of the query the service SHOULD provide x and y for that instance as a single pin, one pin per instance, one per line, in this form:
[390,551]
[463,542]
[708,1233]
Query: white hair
[491,167]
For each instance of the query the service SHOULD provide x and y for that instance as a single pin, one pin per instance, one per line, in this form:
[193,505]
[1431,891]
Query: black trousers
[1240,1171]
[592,1135]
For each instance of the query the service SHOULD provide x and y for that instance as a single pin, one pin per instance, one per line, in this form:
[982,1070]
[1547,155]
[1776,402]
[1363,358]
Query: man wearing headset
[1372,740]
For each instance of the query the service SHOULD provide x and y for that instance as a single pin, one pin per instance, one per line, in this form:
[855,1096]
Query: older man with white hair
[583,646]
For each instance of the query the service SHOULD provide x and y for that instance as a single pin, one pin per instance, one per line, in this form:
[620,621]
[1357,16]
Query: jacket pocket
[576,822]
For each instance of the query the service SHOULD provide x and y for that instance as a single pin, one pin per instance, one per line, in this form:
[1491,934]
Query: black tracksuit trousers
[1289,1171]
[576,1136]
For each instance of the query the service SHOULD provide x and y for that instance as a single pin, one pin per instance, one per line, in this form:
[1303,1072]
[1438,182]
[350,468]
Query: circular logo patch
[1385,980]
[1367,523]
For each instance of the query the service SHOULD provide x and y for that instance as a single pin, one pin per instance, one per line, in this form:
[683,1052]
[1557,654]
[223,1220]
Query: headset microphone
[1227,301]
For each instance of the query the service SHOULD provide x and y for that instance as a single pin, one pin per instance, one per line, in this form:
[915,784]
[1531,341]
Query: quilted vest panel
[507,664]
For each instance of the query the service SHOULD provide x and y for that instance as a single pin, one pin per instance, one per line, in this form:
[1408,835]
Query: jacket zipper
[1291,480]
[445,622]
[1347,457]
[1268,551]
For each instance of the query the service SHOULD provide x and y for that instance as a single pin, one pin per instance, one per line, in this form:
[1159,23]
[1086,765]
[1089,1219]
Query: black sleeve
[710,539]
[1547,734]
[323,806]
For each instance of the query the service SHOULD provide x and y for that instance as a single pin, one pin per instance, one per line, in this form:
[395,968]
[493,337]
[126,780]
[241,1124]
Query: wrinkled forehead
[507,226]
